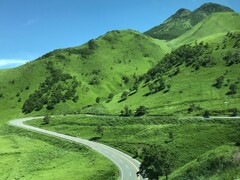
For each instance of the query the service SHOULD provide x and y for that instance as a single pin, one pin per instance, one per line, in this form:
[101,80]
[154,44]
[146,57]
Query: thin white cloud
[29,22]
[12,62]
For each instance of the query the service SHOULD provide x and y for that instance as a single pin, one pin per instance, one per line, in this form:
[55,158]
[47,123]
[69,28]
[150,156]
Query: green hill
[220,163]
[185,81]
[66,80]
[210,28]
[183,20]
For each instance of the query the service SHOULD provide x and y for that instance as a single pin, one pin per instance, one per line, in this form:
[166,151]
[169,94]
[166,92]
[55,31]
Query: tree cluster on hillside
[157,85]
[235,36]
[195,56]
[127,112]
[57,87]
[94,81]
[232,58]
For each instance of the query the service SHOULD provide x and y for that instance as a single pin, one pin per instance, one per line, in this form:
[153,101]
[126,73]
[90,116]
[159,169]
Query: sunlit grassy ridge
[192,84]
[184,20]
[99,67]
[210,28]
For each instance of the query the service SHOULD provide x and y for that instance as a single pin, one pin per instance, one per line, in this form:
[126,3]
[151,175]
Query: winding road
[128,166]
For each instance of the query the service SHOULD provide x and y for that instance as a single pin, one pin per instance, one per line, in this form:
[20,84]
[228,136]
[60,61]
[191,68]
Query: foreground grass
[191,137]
[28,155]
[220,163]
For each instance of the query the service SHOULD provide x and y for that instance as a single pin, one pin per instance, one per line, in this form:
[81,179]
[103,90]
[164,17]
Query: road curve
[127,166]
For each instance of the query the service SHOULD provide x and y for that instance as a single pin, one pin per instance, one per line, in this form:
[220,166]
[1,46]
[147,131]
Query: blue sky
[31,28]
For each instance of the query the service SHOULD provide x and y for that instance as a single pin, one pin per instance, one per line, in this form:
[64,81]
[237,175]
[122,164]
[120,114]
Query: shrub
[126,111]
[206,114]
[219,82]
[97,99]
[141,110]
[46,119]
[233,89]
[124,95]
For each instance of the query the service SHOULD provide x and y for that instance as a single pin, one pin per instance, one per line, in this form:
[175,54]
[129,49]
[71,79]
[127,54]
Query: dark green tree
[110,96]
[98,99]
[157,161]
[140,111]
[99,130]
[124,95]
[125,79]
[233,89]
[206,114]
[219,82]
[126,111]
[46,119]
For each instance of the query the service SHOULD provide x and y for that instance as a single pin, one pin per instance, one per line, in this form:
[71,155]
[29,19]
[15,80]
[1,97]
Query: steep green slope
[66,80]
[211,27]
[185,81]
[220,163]
[183,20]
[176,25]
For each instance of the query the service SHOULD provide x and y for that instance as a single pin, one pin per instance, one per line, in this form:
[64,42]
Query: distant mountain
[212,26]
[183,20]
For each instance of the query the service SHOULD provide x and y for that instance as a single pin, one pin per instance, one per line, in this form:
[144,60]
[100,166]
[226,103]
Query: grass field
[28,155]
[191,137]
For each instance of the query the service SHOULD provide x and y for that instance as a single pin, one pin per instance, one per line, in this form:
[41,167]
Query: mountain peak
[210,8]
[182,13]
[183,20]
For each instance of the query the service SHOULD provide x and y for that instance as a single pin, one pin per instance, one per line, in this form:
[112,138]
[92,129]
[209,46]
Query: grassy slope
[191,86]
[220,163]
[192,137]
[39,157]
[173,27]
[119,53]
[183,20]
[211,27]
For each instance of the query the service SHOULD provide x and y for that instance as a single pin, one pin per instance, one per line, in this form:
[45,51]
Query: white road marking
[113,155]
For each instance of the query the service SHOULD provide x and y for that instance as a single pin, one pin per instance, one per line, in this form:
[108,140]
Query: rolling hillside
[183,20]
[211,27]
[66,80]
[186,78]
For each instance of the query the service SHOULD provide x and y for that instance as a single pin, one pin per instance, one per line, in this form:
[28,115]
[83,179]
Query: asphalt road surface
[127,166]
